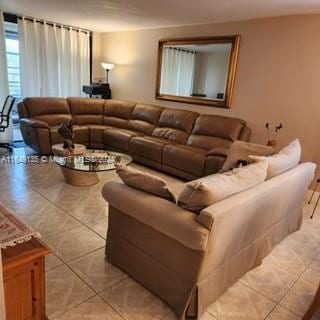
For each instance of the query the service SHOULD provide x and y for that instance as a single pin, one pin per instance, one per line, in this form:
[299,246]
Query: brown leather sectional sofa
[180,142]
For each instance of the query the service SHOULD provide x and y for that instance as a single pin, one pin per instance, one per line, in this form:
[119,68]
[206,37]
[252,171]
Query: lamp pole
[107,70]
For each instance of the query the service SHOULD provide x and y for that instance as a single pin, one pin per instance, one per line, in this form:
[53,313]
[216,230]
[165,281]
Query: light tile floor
[82,285]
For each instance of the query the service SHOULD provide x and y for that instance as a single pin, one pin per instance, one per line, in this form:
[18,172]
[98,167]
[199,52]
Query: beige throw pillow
[285,160]
[204,192]
[241,150]
[145,182]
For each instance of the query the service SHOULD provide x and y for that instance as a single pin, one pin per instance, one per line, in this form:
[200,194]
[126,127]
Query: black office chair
[5,117]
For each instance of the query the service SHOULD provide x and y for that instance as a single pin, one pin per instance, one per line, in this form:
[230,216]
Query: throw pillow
[285,160]
[241,150]
[204,192]
[145,182]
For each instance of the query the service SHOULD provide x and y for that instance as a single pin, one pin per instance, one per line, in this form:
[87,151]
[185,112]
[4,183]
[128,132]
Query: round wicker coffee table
[82,170]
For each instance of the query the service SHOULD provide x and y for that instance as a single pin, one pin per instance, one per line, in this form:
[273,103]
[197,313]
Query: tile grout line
[77,257]
[63,262]
[299,277]
[98,294]
[89,286]
[55,204]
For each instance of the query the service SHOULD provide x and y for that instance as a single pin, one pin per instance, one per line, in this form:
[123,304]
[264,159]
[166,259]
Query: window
[13,59]
[13,63]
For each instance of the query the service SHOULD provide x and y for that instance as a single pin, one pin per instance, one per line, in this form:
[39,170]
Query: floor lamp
[107,66]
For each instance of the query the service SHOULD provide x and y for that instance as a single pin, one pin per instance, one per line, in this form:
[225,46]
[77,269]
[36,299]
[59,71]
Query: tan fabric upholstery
[142,130]
[286,159]
[145,182]
[245,134]
[241,150]
[158,213]
[205,191]
[160,245]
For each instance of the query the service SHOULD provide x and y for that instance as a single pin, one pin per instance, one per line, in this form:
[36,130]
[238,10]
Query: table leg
[314,190]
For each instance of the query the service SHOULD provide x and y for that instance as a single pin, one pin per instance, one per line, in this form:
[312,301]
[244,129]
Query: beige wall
[97,71]
[278,75]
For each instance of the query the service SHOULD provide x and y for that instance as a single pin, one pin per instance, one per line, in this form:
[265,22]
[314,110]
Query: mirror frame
[226,103]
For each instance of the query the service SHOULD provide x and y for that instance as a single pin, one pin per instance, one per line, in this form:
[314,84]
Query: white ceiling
[119,15]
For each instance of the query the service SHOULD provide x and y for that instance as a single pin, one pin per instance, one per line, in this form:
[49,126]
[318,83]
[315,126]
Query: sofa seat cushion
[96,133]
[185,158]
[81,135]
[148,147]
[119,138]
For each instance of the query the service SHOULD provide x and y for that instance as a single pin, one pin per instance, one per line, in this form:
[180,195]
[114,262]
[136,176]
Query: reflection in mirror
[195,70]
[199,70]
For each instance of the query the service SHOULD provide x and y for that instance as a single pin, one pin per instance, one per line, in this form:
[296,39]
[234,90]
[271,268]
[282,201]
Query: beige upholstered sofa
[189,260]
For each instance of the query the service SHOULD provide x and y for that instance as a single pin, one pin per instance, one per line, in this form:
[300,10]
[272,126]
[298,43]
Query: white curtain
[54,61]
[177,71]
[6,136]
[4,89]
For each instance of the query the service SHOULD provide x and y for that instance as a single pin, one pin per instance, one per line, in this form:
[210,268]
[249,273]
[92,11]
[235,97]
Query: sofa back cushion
[117,113]
[145,181]
[86,111]
[203,192]
[211,131]
[175,125]
[241,150]
[53,111]
[144,118]
[286,159]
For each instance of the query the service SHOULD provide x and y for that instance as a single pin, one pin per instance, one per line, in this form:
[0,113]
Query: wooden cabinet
[24,280]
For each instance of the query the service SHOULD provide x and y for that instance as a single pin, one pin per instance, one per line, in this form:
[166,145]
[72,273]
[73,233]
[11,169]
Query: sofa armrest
[218,152]
[158,213]
[33,123]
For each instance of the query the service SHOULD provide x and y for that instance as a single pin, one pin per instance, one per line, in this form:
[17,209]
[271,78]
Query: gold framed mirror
[197,70]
